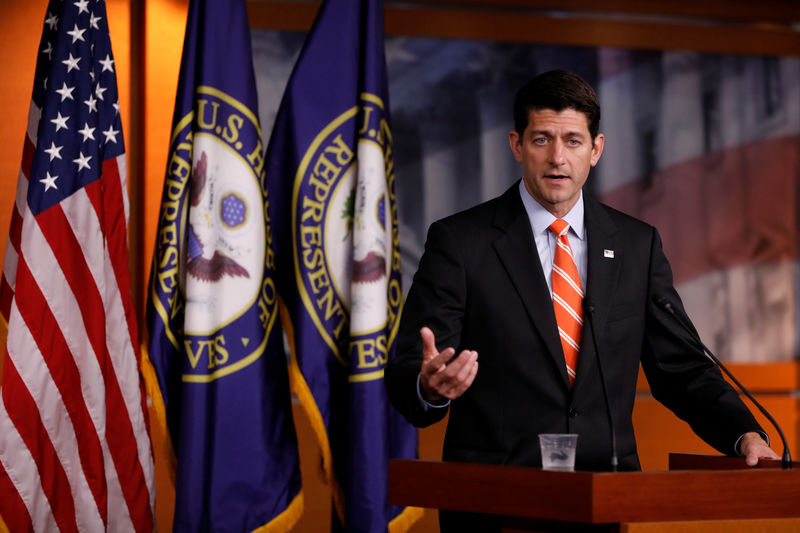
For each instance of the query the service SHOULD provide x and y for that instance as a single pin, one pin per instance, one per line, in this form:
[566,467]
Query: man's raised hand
[440,377]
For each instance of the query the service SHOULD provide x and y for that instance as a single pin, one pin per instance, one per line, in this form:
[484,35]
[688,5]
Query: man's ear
[597,148]
[515,143]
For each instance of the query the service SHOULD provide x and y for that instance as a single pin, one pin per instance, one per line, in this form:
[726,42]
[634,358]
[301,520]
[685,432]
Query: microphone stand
[663,303]
[589,308]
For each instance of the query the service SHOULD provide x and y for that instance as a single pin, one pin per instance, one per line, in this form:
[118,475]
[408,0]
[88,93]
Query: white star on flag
[91,103]
[82,6]
[87,132]
[60,122]
[77,34]
[108,63]
[65,92]
[111,134]
[82,161]
[94,20]
[51,21]
[54,151]
[49,182]
[71,63]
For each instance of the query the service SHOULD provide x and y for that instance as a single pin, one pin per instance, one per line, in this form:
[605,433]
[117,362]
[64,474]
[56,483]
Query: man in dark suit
[487,286]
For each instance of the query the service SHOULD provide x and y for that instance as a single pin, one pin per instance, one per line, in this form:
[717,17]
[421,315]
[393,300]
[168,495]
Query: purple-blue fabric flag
[330,172]
[215,341]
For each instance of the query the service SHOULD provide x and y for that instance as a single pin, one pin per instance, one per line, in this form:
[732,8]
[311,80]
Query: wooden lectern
[697,487]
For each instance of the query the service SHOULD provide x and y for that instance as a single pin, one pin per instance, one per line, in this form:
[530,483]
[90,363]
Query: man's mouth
[556,177]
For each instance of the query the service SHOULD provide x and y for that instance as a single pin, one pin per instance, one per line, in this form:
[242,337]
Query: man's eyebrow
[548,133]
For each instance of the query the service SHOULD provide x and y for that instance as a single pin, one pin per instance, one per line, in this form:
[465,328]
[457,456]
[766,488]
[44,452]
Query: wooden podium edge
[692,461]
[596,498]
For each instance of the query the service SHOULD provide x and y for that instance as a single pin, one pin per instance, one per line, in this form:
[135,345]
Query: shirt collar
[540,218]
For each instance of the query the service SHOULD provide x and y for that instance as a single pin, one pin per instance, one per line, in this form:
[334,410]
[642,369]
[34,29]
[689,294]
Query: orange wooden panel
[581,28]
[783,376]
[763,377]
[659,432]
[781,11]
[20,30]
[165,23]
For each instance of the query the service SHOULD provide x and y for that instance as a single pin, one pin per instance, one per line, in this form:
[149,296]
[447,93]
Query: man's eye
[539,140]
[573,142]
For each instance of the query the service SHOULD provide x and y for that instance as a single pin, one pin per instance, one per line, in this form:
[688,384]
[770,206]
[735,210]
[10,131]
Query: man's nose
[557,154]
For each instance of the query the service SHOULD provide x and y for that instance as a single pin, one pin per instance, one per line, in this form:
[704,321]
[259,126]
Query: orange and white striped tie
[567,298]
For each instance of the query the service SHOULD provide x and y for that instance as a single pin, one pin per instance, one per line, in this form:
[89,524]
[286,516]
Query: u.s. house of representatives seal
[216,170]
[346,238]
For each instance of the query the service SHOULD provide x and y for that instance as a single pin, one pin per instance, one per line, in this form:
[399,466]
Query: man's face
[556,153]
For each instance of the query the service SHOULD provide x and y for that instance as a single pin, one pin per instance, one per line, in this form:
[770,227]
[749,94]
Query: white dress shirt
[540,219]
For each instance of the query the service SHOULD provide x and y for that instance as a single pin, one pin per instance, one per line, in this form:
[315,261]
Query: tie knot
[559,227]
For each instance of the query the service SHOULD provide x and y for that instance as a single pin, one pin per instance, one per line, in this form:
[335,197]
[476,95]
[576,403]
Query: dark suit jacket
[480,286]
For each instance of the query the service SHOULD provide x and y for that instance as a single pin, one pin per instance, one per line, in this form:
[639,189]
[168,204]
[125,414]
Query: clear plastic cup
[558,451]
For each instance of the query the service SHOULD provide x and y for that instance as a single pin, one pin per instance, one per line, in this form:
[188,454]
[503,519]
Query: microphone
[588,307]
[665,305]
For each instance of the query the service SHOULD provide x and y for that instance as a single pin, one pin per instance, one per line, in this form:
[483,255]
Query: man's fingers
[441,360]
[429,350]
[468,358]
[473,371]
[456,377]
[466,374]
[437,364]
[754,448]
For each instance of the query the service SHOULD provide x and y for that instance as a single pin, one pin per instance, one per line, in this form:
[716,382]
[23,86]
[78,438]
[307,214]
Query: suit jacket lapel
[517,251]
[604,258]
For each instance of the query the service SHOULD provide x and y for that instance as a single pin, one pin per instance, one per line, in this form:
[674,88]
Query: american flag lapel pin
[608,253]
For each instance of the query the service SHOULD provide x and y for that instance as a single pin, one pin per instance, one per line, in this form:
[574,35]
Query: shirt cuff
[428,405]
[738,441]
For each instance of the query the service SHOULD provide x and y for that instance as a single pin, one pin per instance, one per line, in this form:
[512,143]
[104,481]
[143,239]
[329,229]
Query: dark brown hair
[557,90]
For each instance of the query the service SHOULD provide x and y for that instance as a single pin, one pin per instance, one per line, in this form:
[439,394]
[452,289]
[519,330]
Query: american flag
[74,448]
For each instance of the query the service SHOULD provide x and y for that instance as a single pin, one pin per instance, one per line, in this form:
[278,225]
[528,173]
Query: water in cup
[558,451]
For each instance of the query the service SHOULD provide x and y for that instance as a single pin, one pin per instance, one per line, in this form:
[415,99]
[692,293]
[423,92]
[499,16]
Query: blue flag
[330,171]
[215,342]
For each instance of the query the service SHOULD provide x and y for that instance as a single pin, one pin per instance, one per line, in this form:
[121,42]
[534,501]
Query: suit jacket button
[573,412]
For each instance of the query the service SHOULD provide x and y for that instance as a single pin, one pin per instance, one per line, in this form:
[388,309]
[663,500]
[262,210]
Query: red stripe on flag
[45,331]
[14,513]
[122,443]
[24,414]
[15,232]
[28,149]
[6,295]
